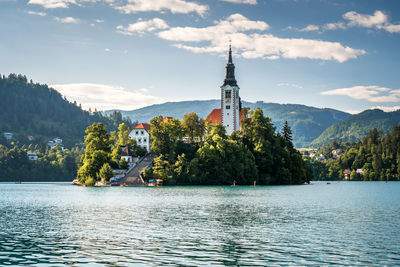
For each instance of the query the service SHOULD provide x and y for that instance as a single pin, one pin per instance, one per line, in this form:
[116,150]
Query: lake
[344,223]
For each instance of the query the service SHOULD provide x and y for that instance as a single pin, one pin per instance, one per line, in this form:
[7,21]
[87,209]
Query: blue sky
[128,54]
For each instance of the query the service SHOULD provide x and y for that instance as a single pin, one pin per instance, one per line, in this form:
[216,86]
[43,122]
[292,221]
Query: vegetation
[356,127]
[377,155]
[103,151]
[32,109]
[256,153]
[307,123]
[52,164]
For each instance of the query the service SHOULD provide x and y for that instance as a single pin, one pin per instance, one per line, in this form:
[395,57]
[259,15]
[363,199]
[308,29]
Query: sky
[126,54]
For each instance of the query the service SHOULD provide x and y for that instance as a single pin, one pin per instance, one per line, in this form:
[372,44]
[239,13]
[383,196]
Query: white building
[32,156]
[57,140]
[141,133]
[8,135]
[229,114]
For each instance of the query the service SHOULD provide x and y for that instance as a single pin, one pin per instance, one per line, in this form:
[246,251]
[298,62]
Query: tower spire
[230,53]
[230,69]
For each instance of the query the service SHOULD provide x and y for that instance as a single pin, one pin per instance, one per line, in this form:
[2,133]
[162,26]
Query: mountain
[357,126]
[307,123]
[35,110]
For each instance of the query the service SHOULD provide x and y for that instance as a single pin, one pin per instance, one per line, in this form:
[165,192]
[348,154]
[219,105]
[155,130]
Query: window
[228,94]
[137,132]
[227,114]
[144,140]
[228,107]
[141,132]
[139,140]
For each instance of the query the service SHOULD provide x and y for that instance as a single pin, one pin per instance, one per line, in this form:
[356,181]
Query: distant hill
[32,109]
[357,126]
[307,122]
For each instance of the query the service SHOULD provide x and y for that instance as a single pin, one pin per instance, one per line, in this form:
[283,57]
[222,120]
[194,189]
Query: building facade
[141,133]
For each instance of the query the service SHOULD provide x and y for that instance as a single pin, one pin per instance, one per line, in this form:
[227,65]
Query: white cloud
[310,28]
[107,49]
[142,26]
[67,20]
[250,2]
[334,26]
[387,109]
[52,3]
[42,14]
[378,20]
[250,44]
[99,20]
[368,21]
[104,97]
[290,85]
[174,6]
[370,93]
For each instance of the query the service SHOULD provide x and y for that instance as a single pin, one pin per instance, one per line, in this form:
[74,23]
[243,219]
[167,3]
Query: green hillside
[307,122]
[356,127]
[32,109]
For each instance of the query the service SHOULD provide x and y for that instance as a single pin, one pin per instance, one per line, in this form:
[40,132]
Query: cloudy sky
[128,54]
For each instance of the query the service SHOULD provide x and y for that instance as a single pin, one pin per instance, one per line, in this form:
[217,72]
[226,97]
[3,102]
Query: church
[230,113]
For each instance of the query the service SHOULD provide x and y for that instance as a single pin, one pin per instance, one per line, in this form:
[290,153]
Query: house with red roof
[141,133]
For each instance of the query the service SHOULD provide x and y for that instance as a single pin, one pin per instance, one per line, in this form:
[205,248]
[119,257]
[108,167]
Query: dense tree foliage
[103,151]
[32,109]
[52,164]
[378,156]
[254,154]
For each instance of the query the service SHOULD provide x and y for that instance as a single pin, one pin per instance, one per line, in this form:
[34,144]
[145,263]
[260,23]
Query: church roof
[215,116]
[143,125]
[167,119]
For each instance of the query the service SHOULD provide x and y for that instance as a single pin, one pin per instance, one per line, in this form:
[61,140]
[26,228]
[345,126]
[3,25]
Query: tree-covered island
[193,152]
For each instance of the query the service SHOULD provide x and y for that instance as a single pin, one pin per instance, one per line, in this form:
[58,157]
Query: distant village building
[337,153]
[32,156]
[360,172]
[30,137]
[347,173]
[8,135]
[126,154]
[57,140]
[51,144]
[141,133]
[230,113]
[321,157]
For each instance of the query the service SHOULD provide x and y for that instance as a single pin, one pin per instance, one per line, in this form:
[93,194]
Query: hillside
[357,126]
[32,109]
[306,122]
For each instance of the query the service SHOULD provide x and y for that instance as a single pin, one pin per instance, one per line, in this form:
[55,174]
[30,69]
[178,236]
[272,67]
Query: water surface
[344,223]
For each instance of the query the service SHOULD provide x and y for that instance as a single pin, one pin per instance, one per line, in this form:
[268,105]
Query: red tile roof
[215,116]
[167,119]
[143,125]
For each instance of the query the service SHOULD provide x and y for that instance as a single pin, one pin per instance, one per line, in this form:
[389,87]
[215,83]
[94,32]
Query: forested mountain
[307,123]
[32,109]
[358,126]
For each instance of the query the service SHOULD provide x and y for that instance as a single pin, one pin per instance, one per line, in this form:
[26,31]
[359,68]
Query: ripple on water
[343,223]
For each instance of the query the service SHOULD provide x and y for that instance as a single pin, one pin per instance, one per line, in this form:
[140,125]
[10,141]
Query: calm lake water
[345,223]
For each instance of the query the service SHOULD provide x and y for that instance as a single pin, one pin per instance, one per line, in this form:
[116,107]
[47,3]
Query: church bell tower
[230,100]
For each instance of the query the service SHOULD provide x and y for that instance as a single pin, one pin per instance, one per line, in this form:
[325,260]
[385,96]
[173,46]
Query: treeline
[377,155]
[33,109]
[189,152]
[51,165]
[103,153]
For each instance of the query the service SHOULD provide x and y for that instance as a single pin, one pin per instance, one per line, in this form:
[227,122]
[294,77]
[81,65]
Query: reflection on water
[343,223]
